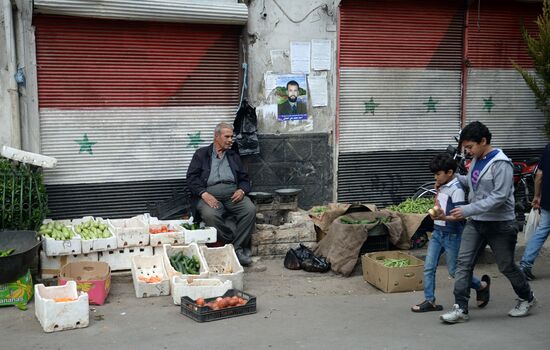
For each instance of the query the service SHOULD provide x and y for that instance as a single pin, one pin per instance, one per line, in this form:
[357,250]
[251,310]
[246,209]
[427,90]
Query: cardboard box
[92,277]
[18,292]
[393,279]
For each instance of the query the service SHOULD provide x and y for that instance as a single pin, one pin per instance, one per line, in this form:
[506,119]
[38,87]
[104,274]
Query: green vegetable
[92,230]
[193,226]
[56,231]
[350,221]
[396,262]
[184,264]
[319,210]
[6,252]
[413,206]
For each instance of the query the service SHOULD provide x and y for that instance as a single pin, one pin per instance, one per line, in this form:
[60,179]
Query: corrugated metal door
[124,105]
[399,94]
[496,93]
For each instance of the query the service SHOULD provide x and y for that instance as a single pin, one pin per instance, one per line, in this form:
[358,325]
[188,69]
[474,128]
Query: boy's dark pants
[501,237]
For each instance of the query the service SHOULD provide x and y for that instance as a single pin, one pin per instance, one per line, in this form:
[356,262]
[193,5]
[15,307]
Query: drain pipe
[12,87]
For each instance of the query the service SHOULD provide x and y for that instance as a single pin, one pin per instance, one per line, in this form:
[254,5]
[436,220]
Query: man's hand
[237,196]
[457,214]
[210,200]
[536,203]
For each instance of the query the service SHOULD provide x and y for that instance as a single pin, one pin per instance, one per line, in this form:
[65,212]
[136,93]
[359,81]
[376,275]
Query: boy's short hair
[443,162]
[475,131]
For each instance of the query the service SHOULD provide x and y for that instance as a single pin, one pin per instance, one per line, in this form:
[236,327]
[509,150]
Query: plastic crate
[375,244]
[206,314]
[132,232]
[98,244]
[187,250]
[148,266]
[197,288]
[222,263]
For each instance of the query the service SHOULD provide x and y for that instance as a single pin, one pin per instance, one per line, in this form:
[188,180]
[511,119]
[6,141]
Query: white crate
[58,316]
[188,250]
[149,266]
[100,244]
[172,238]
[197,288]
[121,259]
[50,266]
[133,232]
[203,235]
[54,247]
[222,263]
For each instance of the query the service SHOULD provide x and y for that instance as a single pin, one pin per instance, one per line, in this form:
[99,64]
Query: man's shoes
[243,258]
[527,272]
[522,307]
[247,252]
[456,315]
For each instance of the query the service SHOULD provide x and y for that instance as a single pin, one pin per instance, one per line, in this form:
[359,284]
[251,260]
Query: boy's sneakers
[522,307]
[456,315]
[527,272]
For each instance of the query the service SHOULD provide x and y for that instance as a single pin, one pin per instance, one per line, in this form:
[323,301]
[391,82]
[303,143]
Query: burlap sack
[411,223]
[334,210]
[343,242]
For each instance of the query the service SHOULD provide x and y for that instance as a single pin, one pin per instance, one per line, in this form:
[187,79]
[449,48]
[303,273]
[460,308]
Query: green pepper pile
[396,262]
[6,252]
[413,206]
[185,264]
[350,221]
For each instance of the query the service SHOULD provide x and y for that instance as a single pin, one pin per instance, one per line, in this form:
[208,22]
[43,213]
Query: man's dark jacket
[199,171]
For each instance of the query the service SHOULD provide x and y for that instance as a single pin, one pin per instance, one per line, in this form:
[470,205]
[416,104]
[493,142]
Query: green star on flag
[85,144]
[488,103]
[370,106]
[431,105]
[194,139]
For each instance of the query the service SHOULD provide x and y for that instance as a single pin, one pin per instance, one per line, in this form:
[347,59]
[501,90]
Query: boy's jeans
[537,240]
[502,238]
[442,242]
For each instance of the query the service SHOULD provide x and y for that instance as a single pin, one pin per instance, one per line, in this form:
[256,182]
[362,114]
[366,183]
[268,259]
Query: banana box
[18,292]
[92,277]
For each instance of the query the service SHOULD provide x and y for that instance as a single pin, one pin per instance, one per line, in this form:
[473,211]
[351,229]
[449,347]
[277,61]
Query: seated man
[218,184]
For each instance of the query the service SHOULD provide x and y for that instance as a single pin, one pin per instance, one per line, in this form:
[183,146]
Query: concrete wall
[272,27]
[5,115]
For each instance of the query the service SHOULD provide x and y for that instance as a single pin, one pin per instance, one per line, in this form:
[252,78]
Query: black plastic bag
[303,258]
[292,262]
[245,129]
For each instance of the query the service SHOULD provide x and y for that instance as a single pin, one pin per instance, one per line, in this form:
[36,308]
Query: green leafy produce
[23,200]
[319,210]
[193,226]
[396,262]
[6,252]
[350,221]
[413,206]
[57,231]
[184,264]
[92,230]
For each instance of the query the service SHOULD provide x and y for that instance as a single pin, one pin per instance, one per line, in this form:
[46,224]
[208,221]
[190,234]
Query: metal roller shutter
[497,94]
[124,102]
[399,93]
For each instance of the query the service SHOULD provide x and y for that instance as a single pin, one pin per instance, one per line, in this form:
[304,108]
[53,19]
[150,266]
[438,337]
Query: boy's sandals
[484,294]
[426,306]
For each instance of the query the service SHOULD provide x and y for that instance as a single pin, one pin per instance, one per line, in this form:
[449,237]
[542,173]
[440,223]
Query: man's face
[475,149]
[292,93]
[224,139]
[442,177]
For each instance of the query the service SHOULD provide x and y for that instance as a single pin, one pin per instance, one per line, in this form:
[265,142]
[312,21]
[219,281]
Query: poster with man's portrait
[291,92]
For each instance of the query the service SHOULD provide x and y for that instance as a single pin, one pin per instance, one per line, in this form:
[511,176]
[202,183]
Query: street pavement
[299,310]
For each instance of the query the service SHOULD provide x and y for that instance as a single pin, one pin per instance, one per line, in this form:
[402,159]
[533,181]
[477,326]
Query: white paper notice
[270,81]
[318,90]
[300,55]
[320,54]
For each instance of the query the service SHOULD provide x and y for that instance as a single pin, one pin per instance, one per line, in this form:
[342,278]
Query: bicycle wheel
[425,191]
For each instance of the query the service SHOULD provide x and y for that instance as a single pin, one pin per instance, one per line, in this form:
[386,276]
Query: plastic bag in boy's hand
[531,224]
